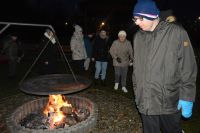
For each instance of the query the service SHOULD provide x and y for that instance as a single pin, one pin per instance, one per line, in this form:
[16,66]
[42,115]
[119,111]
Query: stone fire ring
[54,84]
[21,112]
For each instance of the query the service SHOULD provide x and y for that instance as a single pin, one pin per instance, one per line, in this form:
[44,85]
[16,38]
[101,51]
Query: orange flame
[53,109]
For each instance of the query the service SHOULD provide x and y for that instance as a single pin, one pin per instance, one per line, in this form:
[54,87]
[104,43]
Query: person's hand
[93,59]
[119,60]
[46,62]
[130,62]
[18,59]
[186,108]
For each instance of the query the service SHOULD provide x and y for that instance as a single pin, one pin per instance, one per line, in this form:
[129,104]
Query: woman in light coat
[122,54]
[78,49]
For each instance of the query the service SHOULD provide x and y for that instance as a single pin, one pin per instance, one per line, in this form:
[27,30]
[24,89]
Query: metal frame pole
[38,25]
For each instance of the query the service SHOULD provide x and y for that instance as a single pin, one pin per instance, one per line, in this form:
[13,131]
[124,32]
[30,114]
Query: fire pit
[58,113]
[85,126]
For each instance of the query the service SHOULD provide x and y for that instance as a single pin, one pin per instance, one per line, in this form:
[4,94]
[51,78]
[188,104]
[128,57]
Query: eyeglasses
[138,18]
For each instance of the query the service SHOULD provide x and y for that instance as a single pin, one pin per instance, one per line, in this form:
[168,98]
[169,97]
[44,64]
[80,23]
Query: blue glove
[186,108]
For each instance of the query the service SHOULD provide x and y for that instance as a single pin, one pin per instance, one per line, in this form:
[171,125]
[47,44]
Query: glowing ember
[53,110]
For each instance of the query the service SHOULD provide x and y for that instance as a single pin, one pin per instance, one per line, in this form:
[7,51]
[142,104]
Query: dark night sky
[85,12]
[49,10]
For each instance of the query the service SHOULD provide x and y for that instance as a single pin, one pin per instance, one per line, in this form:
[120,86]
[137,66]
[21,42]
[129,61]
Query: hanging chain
[40,25]
[63,53]
[34,62]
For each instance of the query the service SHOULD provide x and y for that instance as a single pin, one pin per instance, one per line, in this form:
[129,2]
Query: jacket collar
[161,26]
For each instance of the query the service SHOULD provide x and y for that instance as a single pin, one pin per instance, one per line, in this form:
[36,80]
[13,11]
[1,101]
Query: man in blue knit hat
[164,71]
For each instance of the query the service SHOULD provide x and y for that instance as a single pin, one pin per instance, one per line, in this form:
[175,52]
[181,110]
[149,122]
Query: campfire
[57,109]
[58,113]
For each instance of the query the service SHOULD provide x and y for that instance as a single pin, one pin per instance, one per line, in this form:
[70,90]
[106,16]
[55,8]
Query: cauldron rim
[43,84]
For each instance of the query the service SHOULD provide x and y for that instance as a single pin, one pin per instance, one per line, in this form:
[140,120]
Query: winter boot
[116,86]
[124,89]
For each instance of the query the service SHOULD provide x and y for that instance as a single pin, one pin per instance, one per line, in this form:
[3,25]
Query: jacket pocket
[171,96]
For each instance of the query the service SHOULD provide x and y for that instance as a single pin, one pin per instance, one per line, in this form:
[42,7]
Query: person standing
[100,56]
[88,48]
[78,49]
[49,55]
[168,16]
[11,47]
[122,54]
[165,71]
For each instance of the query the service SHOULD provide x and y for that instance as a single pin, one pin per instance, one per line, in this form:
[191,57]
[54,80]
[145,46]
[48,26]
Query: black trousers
[12,66]
[165,123]
[79,66]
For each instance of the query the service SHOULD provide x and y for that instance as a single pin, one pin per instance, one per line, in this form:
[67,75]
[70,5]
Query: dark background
[89,14]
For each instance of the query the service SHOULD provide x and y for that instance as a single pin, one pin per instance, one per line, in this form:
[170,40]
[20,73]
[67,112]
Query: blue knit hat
[146,9]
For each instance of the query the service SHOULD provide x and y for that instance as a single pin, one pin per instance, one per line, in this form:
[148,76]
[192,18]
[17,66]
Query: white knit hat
[122,33]
[78,28]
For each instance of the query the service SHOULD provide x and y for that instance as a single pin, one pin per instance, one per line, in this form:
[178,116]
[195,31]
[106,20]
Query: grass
[9,87]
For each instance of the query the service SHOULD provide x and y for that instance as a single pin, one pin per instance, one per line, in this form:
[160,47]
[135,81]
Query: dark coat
[100,49]
[164,69]
[10,48]
[88,46]
[48,55]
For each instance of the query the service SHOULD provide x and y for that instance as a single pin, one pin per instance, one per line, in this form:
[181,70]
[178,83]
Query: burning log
[71,120]
[56,109]
[30,116]
[58,113]
[81,114]
[66,110]
[37,120]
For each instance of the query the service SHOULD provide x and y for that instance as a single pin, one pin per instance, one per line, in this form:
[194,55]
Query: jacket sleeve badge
[185,43]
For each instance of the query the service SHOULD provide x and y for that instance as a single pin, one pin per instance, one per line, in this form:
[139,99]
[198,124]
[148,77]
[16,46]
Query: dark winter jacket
[50,52]
[88,46]
[10,48]
[48,57]
[164,69]
[100,49]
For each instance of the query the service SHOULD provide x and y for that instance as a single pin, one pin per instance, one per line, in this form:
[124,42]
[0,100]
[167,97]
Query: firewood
[66,110]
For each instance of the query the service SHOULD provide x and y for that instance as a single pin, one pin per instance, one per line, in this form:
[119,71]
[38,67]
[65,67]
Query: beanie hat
[122,32]
[102,31]
[146,9]
[77,28]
